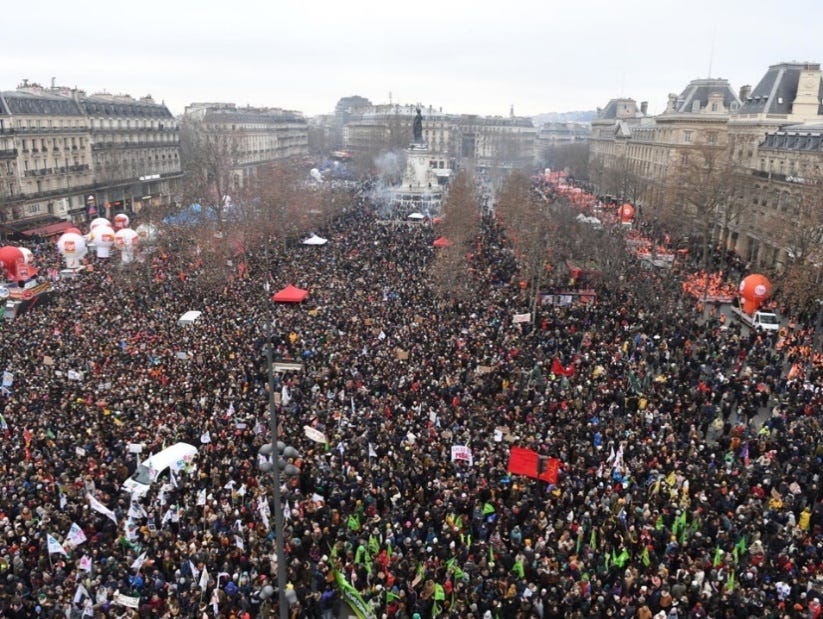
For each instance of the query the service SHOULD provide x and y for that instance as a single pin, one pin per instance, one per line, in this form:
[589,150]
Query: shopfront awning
[49,229]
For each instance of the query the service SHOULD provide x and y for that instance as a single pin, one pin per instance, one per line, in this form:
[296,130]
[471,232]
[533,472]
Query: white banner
[316,435]
[521,318]
[462,452]
[126,600]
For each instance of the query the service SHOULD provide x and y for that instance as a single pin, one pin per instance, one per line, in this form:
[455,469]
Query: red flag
[523,461]
[550,471]
[561,370]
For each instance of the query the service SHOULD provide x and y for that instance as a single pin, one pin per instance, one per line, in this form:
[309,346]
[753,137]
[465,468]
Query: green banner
[352,597]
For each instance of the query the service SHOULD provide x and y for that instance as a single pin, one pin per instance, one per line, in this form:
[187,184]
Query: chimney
[745,93]
[644,107]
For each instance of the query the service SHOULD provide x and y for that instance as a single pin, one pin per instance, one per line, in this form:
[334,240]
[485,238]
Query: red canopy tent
[290,294]
[442,242]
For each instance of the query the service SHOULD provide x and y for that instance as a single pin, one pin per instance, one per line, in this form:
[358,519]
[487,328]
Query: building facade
[45,158]
[454,141]
[258,136]
[66,157]
[764,137]
[135,146]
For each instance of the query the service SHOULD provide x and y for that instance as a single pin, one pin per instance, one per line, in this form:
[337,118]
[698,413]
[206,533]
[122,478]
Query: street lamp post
[272,463]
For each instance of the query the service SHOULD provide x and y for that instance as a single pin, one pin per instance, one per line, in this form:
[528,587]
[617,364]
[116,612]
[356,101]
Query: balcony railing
[10,153]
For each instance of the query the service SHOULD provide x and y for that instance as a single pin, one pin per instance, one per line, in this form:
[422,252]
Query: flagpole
[280,550]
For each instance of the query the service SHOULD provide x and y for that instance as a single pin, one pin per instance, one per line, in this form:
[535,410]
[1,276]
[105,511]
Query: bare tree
[701,196]
[451,269]
[526,216]
[571,157]
[211,158]
[797,232]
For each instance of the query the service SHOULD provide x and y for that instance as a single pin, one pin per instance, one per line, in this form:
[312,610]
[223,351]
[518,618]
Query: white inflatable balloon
[100,221]
[126,241]
[28,257]
[147,233]
[103,238]
[73,248]
[121,220]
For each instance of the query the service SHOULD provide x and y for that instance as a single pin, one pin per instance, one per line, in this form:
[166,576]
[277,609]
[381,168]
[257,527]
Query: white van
[175,457]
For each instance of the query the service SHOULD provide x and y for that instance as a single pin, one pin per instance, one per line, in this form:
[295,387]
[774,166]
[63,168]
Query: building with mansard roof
[45,158]
[135,152]
[65,157]
[259,136]
[772,137]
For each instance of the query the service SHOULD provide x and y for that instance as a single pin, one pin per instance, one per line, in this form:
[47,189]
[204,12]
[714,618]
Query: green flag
[644,556]
[374,545]
[741,546]
[361,555]
[658,525]
[354,522]
[718,557]
[352,597]
[730,582]
[518,569]
[391,596]
[593,539]
[439,592]
[488,508]
[621,559]
[49,433]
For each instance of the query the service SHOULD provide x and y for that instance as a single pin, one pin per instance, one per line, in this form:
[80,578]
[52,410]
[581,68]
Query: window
[687,136]
[711,137]
[714,106]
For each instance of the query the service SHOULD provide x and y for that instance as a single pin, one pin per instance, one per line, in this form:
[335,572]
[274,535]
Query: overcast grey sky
[466,57]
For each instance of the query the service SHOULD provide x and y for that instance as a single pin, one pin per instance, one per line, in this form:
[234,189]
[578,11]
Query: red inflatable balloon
[626,212]
[10,258]
[754,290]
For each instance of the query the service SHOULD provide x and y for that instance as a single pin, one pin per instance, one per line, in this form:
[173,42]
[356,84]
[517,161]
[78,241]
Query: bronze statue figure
[417,128]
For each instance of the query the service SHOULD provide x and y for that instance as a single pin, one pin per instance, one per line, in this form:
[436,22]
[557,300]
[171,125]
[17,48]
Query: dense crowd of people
[689,481]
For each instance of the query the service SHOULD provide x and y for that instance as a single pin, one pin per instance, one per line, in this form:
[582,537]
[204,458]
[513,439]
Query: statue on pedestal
[417,128]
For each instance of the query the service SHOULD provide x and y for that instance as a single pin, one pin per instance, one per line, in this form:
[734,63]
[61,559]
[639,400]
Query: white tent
[417,216]
[315,240]
[189,318]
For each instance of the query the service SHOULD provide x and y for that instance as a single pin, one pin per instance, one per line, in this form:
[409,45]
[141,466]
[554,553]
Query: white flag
[195,573]
[136,511]
[84,563]
[285,397]
[80,593]
[138,562]
[287,511]
[230,412]
[75,536]
[54,546]
[238,541]
[204,578]
[201,497]
[205,437]
[372,452]
[99,507]
[263,509]
[63,500]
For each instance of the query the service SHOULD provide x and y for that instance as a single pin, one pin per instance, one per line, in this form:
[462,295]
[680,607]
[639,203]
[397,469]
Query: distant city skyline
[462,57]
